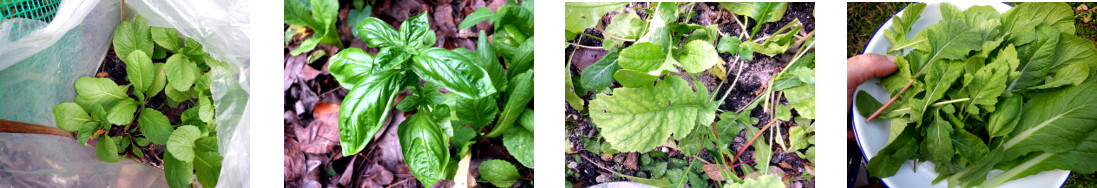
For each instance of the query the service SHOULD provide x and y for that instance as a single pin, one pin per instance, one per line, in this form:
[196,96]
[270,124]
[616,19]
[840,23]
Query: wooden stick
[20,127]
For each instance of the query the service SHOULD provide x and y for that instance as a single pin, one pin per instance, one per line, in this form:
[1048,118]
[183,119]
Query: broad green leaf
[478,112]
[644,57]
[939,78]
[632,78]
[122,112]
[297,13]
[1074,49]
[132,35]
[155,126]
[205,109]
[365,109]
[106,149]
[639,119]
[1020,21]
[600,74]
[100,91]
[377,33]
[83,133]
[180,72]
[697,56]
[767,12]
[167,38]
[1072,74]
[70,117]
[519,94]
[988,83]
[424,147]
[1005,118]
[416,33]
[181,142]
[527,119]
[178,173]
[1055,121]
[499,172]
[159,80]
[1077,159]
[519,142]
[569,93]
[739,8]
[888,161]
[939,139]
[453,72]
[1036,58]
[207,162]
[582,15]
[140,71]
[866,104]
[625,26]
[707,34]
[481,14]
[969,146]
[948,40]
[729,44]
[797,138]
[522,60]
[489,62]
[175,95]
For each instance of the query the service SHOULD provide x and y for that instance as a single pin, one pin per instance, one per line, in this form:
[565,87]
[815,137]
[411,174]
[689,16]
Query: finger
[861,68]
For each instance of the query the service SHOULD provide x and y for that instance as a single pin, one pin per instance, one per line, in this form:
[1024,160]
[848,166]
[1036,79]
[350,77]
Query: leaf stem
[744,148]
[591,36]
[611,35]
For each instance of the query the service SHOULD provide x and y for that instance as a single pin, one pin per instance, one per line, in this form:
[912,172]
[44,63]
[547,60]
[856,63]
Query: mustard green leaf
[644,57]
[167,38]
[181,142]
[155,126]
[569,92]
[600,74]
[132,35]
[70,117]
[633,79]
[106,149]
[697,56]
[499,172]
[582,15]
[519,142]
[639,119]
[122,112]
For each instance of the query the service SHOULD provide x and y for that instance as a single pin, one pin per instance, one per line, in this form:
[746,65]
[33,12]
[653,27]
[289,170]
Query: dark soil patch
[583,165]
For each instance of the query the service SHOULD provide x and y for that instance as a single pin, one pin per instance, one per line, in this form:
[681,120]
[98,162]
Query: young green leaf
[490,62]
[140,71]
[519,94]
[181,142]
[627,26]
[424,146]
[205,109]
[767,12]
[180,72]
[481,14]
[100,91]
[122,112]
[70,117]
[499,172]
[106,149]
[155,126]
[697,56]
[132,35]
[453,72]
[639,119]
[207,162]
[569,93]
[167,38]
[159,80]
[583,15]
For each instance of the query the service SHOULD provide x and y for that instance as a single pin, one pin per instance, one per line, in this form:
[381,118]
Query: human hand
[862,67]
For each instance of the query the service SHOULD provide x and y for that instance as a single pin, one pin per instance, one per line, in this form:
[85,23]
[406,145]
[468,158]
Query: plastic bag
[40,67]
[221,27]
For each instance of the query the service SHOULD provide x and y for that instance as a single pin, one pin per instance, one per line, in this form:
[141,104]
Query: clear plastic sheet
[40,67]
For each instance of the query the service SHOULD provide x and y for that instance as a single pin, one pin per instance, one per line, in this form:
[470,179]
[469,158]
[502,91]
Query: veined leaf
[177,172]
[424,147]
[489,62]
[139,71]
[454,72]
[180,72]
[155,126]
[638,119]
[583,15]
[122,112]
[100,91]
[519,93]
[697,56]
[600,74]
[106,149]
[131,36]
[1037,58]
[644,57]
[181,142]
[519,142]
[499,172]
[377,33]
[1018,22]
[167,38]
[626,26]
[70,117]
[1055,121]
[481,14]
[366,109]
[988,83]
[569,93]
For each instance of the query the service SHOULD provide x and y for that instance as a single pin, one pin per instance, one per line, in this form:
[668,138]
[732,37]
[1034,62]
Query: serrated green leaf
[424,148]
[132,35]
[583,15]
[70,117]
[106,149]
[167,38]
[180,72]
[101,91]
[177,172]
[519,142]
[155,126]
[499,172]
[639,119]
[988,83]
[519,94]
[697,56]
[181,142]
[627,26]
[122,112]
[205,109]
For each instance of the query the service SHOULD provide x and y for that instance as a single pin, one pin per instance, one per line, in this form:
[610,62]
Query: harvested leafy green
[988,91]
[486,97]
[100,104]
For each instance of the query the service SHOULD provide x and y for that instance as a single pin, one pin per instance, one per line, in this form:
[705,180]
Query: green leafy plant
[483,93]
[652,58]
[106,110]
[321,20]
[979,91]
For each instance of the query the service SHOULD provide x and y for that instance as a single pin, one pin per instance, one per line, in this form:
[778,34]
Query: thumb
[863,67]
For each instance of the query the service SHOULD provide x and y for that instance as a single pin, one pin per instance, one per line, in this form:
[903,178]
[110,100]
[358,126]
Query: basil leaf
[424,148]
[478,112]
[416,33]
[351,65]
[366,109]
[377,33]
[454,72]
